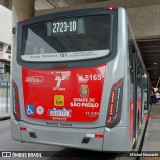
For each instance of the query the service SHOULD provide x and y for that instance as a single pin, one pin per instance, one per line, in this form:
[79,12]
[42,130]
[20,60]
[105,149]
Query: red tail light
[15,99]
[115,102]
[110,8]
[111,106]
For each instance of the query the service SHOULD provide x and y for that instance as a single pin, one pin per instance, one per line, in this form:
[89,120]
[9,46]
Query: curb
[4,118]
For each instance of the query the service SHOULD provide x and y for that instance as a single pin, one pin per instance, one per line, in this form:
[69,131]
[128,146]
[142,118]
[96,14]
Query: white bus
[77,81]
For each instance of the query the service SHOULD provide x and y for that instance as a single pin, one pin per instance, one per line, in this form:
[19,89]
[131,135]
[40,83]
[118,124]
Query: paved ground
[7,144]
[152,136]
[4,108]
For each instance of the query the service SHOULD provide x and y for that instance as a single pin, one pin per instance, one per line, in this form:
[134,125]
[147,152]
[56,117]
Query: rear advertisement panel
[72,95]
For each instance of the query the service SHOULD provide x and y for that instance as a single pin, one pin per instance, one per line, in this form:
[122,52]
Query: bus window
[138,72]
[65,39]
[131,61]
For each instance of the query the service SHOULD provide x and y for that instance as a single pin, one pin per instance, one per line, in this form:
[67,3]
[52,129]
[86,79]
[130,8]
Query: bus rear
[67,86]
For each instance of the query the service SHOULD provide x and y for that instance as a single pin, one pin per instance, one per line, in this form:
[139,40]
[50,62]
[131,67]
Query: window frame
[25,28]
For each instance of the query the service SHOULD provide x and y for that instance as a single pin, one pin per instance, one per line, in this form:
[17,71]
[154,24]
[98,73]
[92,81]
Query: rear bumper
[70,137]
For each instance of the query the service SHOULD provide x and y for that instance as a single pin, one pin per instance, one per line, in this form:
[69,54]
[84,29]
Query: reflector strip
[23,129]
[90,135]
[99,136]
[95,135]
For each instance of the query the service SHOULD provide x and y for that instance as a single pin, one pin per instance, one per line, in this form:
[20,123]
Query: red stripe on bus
[131,120]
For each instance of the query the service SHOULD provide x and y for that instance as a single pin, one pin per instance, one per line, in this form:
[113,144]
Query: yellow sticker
[58,100]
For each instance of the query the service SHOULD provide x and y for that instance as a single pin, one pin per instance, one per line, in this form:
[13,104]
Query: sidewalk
[152,136]
[4,116]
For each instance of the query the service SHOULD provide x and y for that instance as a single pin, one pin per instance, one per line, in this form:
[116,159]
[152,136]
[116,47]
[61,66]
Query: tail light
[115,102]
[15,99]
[111,8]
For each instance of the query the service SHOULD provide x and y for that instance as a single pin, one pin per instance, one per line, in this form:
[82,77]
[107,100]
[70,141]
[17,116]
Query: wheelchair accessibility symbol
[30,109]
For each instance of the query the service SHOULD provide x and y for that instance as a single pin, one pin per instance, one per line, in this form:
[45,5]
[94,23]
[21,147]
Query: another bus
[77,80]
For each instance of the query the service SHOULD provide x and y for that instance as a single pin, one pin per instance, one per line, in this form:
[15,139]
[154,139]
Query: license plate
[59,113]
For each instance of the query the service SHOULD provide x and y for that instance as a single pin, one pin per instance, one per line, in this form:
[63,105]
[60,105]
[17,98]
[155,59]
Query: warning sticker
[58,100]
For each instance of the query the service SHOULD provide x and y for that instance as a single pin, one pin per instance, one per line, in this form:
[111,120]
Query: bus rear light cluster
[15,98]
[111,106]
[115,102]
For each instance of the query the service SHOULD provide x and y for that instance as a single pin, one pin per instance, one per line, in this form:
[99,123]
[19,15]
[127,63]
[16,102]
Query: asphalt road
[7,144]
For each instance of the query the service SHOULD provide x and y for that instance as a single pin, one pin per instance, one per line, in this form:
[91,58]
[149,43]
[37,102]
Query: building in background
[5,40]
[5,57]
